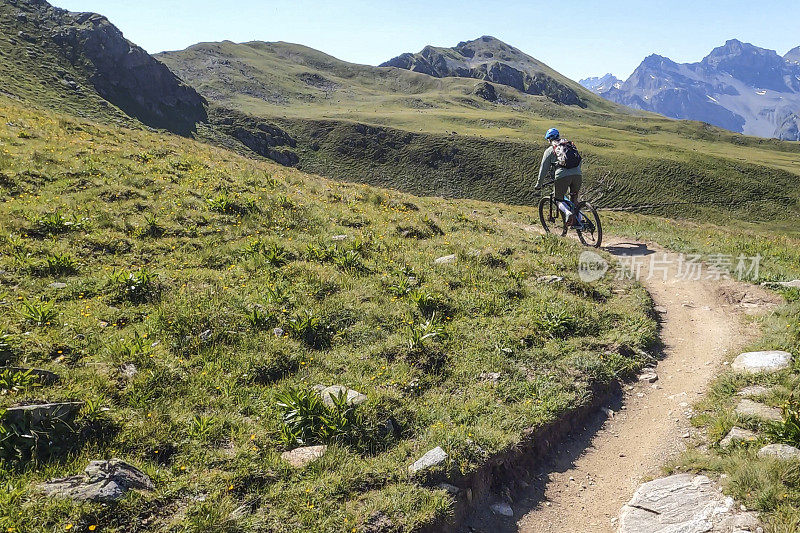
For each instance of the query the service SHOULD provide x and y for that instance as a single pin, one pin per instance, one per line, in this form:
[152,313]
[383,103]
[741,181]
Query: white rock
[445,260]
[767,361]
[339,237]
[649,376]
[503,509]
[103,481]
[300,457]
[431,459]
[789,284]
[784,452]
[737,434]
[754,390]
[549,279]
[353,396]
[683,503]
[758,410]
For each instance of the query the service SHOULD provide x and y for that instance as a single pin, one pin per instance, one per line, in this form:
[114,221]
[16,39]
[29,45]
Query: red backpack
[567,154]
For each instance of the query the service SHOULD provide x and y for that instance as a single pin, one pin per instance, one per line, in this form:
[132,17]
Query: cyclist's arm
[545,169]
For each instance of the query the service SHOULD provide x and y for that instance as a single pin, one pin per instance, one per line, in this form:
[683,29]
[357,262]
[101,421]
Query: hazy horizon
[600,39]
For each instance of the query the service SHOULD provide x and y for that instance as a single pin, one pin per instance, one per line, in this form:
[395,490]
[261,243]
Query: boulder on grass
[757,362]
[782,452]
[103,481]
[431,459]
[300,457]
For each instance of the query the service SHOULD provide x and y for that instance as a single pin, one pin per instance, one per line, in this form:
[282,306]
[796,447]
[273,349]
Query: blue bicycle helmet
[552,134]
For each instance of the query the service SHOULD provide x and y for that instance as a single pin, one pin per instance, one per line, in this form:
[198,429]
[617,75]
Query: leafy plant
[152,226]
[202,427]
[139,286]
[555,323]
[307,420]
[13,381]
[400,287]
[309,328]
[130,350]
[425,301]
[55,223]
[318,252]
[275,254]
[58,264]
[419,334]
[348,260]
[6,349]
[39,313]
[788,429]
[222,203]
[258,318]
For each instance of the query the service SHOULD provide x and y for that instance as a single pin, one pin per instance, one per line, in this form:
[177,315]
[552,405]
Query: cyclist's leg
[575,188]
[561,187]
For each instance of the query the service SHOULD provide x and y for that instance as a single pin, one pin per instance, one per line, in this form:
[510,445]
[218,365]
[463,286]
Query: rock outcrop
[119,71]
[492,60]
[102,481]
[684,503]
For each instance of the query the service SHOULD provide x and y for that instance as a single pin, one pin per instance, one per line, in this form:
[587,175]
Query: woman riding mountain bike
[562,163]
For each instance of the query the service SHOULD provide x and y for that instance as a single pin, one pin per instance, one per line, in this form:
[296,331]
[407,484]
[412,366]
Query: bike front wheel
[591,231]
[551,217]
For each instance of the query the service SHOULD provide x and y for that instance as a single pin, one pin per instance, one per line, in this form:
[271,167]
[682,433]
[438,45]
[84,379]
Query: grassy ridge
[180,259]
[426,135]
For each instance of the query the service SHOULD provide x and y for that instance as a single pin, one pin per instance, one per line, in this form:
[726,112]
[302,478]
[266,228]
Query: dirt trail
[583,485]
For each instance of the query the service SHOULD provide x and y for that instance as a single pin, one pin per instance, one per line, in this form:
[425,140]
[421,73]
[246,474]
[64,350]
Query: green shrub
[309,328]
[136,287]
[13,381]
[60,264]
[39,313]
[788,429]
[307,420]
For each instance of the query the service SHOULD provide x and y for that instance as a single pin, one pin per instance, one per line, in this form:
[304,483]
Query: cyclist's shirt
[548,161]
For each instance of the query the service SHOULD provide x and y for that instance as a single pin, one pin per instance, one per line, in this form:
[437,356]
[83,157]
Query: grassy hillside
[179,260]
[429,135]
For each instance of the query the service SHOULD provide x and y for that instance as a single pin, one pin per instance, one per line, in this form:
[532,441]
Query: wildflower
[92,527]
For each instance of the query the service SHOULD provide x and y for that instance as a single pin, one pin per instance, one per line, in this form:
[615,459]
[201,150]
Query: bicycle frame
[570,206]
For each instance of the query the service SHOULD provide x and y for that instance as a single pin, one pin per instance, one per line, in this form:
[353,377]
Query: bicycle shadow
[637,249]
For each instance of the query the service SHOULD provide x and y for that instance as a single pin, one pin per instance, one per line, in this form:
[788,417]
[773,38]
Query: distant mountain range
[601,84]
[738,86]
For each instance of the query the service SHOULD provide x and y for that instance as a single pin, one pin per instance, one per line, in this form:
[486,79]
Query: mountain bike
[554,220]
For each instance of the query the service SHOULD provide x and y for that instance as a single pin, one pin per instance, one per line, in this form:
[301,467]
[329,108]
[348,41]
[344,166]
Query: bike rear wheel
[551,217]
[591,234]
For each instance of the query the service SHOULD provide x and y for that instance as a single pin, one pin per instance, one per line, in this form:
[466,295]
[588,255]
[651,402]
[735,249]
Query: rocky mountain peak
[119,71]
[793,55]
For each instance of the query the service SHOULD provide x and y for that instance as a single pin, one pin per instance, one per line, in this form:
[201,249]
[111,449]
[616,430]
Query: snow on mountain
[738,86]
[601,84]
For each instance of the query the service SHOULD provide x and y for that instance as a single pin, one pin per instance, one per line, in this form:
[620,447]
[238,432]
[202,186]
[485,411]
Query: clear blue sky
[601,36]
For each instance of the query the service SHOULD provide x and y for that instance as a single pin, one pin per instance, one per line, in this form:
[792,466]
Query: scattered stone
[788,284]
[649,376]
[737,435]
[38,413]
[754,390]
[204,336]
[503,509]
[452,489]
[43,377]
[758,410]
[782,452]
[300,457]
[431,459]
[103,481]
[767,361]
[339,237]
[683,503]
[493,377]
[445,260]
[549,279]
[58,285]
[608,412]
[278,332]
[353,396]
[128,371]
[660,309]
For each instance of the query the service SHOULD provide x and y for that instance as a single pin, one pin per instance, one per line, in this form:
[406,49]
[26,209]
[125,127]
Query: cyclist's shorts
[573,183]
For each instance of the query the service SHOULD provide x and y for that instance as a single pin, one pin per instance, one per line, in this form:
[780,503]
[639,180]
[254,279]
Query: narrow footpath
[583,485]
